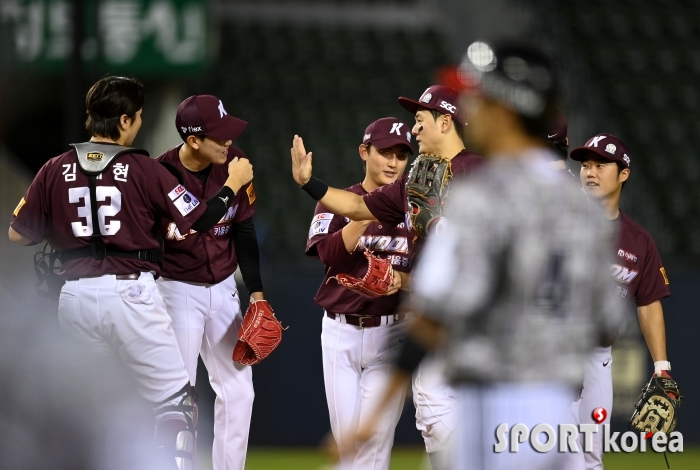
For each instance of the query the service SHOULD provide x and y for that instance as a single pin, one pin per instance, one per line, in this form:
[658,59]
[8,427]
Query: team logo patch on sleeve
[250,191]
[22,202]
[184,201]
[320,224]
[663,273]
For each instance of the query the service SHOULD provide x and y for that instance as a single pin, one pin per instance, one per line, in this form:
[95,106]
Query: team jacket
[637,270]
[131,193]
[325,241]
[205,257]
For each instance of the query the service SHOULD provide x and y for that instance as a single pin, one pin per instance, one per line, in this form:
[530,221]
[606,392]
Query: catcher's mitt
[259,334]
[376,281]
[427,186]
[657,409]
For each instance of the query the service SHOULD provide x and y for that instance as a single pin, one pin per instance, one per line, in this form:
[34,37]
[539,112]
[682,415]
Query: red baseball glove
[376,281]
[259,334]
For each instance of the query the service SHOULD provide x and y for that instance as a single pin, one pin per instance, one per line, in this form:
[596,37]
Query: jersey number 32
[104,211]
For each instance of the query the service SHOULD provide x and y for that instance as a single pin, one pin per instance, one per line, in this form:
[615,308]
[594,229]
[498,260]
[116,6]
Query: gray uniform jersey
[520,276]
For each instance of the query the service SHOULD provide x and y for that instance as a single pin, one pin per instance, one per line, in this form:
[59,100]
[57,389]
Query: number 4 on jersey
[85,211]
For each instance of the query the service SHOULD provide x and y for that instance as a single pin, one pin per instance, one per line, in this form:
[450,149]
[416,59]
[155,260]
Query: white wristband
[661,365]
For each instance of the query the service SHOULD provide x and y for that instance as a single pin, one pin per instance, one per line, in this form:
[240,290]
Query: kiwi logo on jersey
[385,243]
[95,156]
[623,274]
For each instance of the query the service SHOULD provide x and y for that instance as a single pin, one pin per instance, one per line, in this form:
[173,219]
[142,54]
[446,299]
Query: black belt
[154,256]
[364,321]
[128,277]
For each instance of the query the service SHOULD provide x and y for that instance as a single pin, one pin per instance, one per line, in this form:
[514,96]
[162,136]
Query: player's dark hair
[561,148]
[108,100]
[458,126]
[621,166]
[364,162]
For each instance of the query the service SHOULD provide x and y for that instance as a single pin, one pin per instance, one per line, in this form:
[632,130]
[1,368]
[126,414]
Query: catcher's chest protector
[427,189]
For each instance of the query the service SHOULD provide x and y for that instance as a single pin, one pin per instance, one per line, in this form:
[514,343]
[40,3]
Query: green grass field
[415,459]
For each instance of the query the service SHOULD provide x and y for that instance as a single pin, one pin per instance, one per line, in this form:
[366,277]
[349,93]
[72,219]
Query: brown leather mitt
[259,334]
[376,281]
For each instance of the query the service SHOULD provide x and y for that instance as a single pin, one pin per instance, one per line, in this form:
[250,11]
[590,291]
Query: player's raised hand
[240,172]
[301,162]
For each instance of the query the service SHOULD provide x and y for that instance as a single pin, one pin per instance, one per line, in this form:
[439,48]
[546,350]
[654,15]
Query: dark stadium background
[324,70]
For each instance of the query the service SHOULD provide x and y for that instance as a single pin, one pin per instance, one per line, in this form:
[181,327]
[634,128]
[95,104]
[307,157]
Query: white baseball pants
[597,392]
[357,365]
[206,319]
[482,408]
[436,404]
[126,317]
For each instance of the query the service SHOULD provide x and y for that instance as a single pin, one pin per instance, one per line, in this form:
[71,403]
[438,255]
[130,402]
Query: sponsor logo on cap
[222,111]
[451,108]
[95,156]
[191,129]
[610,148]
[426,98]
[396,127]
[367,137]
[626,159]
[408,136]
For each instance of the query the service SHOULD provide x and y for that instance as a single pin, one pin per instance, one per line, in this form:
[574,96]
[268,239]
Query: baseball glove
[657,409]
[427,186]
[259,334]
[376,281]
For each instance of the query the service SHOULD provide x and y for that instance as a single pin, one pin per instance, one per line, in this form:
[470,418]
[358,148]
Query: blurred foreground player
[198,286]
[513,290]
[360,335]
[439,133]
[637,272]
[99,205]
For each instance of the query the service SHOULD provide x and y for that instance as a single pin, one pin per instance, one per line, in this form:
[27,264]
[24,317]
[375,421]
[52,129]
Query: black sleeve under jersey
[217,205]
[246,242]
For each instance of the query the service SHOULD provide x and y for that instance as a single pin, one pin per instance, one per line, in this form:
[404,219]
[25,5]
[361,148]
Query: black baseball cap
[517,75]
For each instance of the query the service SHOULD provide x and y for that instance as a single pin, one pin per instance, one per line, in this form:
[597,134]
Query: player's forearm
[347,204]
[245,241]
[340,202]
[352,233]
[651,322]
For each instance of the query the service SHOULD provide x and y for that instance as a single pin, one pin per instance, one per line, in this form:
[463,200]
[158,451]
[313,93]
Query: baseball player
[197,285]
[510,289]
[99,205]
[360,336]
[637,273]
[438,130]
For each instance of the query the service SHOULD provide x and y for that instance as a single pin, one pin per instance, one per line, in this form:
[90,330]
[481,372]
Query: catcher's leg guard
[175,434]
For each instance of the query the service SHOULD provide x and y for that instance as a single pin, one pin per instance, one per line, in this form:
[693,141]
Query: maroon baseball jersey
[637,269]
[131,193]
[205,257]
[389,203]
[325,241]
